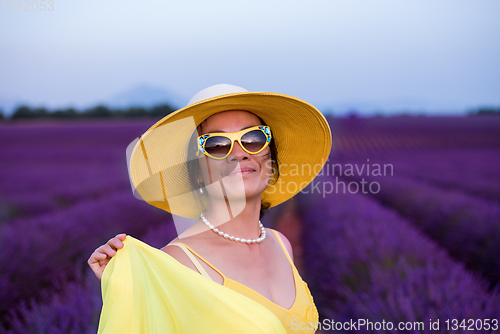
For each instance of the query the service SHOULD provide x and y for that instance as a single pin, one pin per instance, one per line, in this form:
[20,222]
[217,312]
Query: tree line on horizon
[101,111]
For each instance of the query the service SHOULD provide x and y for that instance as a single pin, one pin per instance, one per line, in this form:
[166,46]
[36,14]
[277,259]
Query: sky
[385,56]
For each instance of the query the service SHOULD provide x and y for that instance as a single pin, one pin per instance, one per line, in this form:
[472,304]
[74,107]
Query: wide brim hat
[157,160]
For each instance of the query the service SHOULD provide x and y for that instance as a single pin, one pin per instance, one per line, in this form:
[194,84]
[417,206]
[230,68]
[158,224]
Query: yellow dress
[145,290]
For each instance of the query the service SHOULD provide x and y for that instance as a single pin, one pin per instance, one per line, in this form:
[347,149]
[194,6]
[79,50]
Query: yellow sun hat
[157,161]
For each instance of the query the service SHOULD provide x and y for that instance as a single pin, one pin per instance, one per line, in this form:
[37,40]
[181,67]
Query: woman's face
[242,174]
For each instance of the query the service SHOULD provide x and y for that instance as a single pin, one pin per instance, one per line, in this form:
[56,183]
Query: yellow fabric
[145,291]
[196,263]
[301,314]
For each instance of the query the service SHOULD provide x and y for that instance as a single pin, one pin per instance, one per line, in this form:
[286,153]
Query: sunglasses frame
[232,136]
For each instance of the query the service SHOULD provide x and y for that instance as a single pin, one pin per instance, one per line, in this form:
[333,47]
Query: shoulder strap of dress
[193,259]
[282,246]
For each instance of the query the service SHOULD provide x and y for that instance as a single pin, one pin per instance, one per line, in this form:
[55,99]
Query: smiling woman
[214,160]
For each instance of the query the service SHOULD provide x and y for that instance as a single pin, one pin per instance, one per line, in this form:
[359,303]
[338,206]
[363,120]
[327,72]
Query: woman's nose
[238,152]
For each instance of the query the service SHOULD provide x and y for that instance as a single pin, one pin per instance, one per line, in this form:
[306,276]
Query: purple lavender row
[476,172]
[467,227]
[74,308]
[399,134]
[29,191]
[35,252]
[364,261]
[45,168]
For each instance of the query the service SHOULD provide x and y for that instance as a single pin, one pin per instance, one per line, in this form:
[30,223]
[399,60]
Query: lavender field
[425,245]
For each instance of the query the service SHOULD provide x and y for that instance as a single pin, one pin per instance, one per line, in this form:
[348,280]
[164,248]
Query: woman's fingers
[108,250]
[94,263]
[115,243]
[103,254]
[100,256]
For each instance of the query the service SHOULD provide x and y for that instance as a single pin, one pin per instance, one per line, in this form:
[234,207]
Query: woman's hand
[101,256]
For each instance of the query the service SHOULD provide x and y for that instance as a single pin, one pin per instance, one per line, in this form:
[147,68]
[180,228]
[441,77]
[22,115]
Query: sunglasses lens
[254,140]
[218,146]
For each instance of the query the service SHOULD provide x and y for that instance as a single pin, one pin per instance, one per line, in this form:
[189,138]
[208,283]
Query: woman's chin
[242,193]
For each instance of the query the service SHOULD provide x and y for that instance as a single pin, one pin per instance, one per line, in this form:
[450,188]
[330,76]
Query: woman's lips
[243,171]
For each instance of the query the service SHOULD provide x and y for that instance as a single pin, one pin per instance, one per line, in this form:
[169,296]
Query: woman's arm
[103,254]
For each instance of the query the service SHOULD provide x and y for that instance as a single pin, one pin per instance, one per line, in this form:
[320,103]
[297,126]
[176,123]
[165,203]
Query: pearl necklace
[230,237]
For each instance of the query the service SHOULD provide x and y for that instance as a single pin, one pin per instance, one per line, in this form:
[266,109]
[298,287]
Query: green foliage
[136,112]
[23,112]
[100,111]
[489,112]
[485,111]
[64,113]
[27,112]
[161,110]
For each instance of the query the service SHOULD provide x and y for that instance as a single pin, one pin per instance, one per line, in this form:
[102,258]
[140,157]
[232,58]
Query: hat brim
[302,136]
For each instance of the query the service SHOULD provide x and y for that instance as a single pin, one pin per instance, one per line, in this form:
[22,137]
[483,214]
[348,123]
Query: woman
[224,175]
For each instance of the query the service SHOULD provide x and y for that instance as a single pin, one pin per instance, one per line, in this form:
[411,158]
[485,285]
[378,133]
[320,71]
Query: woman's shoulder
[285,242]
[178,253]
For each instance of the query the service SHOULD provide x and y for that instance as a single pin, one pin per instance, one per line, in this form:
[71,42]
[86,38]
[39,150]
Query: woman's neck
[240,219]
